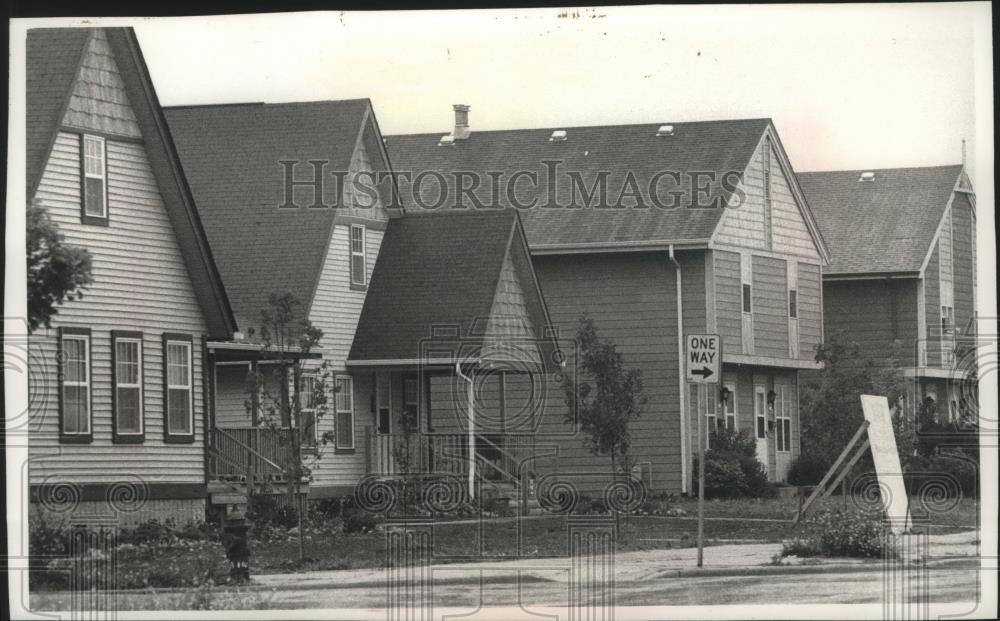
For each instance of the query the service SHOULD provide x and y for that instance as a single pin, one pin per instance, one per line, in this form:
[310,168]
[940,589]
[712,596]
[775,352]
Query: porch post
[472,440]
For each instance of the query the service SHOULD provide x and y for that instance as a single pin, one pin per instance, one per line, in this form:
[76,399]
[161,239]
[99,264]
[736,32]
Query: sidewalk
[720,560]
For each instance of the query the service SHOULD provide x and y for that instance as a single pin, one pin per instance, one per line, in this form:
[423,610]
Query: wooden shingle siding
[141,283]
[789,232]
[770,307]
[810,310]
[963,261]
[630,297]
[932,308]
[728,301]
[356,201]
[99,102]
[335,310]
[509,321]
[745,225]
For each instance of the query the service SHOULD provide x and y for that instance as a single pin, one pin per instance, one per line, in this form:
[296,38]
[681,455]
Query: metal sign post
[704,366]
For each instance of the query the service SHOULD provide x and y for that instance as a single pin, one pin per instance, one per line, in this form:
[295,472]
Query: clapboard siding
[336,308]
[879,315]
[728,308]
[693,294]
[630,297]
[963,261]
[770,307]
[140,284]
[810,307]
[746,225]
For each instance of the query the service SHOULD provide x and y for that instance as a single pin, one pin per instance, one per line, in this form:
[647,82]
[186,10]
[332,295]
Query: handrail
[230,437]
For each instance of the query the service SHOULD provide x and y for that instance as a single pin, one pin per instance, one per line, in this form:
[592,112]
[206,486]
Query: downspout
[472,430]
[681,384]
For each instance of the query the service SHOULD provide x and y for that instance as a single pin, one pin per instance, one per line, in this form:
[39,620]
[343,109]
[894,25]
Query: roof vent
[446,141]
[867,176]
[665,130]
[558,135]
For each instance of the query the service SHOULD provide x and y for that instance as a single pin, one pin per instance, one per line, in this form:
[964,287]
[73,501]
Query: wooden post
[701,485]
[821,489]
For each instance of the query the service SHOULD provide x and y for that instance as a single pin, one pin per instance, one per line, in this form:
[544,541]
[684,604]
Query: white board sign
[704,354]
[887,467]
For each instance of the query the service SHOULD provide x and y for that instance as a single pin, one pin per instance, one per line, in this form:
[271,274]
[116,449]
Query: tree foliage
[57,272]
[608,399]
[831,399]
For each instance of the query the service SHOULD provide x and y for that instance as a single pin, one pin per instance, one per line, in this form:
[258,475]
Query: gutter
[681,385]
[472,430]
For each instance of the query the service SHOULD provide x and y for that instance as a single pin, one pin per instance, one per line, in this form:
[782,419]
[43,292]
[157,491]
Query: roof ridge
[598,126]
[269,103]
[857,170]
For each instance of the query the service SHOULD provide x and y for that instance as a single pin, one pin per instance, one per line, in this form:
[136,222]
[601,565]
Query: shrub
[843,532]
[356,519]
[732,469]
[960,465]
[801,547]
[660,503]
[326,508]
[807,470]
[149,532]
[266,511]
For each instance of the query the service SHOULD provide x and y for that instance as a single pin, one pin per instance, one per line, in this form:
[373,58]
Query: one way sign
[704,356]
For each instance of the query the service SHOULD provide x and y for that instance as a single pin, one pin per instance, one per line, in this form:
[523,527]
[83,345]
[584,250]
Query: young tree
[288,338]
[831,399]
[607,401]
[57,272]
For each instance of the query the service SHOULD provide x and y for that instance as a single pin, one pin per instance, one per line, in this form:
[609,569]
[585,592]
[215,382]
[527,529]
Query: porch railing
[255,452]
[499,456]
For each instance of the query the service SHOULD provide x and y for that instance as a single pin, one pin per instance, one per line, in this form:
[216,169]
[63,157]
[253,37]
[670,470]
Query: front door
[383,424]
[760,423]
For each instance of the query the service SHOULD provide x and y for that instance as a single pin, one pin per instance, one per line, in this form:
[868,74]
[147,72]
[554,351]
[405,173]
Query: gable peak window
[94,179]
[947,319]
[359,268]
[747,307]
[793,303]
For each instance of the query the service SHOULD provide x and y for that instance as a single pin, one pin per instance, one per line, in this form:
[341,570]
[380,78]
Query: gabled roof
[441,270]
[231,156]
[883,226]
[54,56]
[718,147]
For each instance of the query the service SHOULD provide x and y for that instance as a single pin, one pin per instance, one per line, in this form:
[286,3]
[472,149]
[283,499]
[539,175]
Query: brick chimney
[461,131]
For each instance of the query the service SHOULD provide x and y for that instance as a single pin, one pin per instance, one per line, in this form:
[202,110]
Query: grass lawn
[187,564]
[732,520]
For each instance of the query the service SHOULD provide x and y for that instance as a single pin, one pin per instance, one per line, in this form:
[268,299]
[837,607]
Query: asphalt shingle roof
[880,226]
[437,269]
[231,156]
[718,147]
[53,58]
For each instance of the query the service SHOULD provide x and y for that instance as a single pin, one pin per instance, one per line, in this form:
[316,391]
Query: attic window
[665,130]
[94,178]
[446,141]
[558,135]
[867,176]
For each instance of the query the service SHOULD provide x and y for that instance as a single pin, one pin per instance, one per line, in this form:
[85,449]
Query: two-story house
[118,414]
[902,277]
[728,245]
[290,202]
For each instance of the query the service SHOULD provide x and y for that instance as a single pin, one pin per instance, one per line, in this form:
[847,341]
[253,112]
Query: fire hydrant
[235,538]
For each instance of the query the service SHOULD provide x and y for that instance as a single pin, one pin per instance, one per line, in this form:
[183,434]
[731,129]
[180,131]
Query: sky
[848,86]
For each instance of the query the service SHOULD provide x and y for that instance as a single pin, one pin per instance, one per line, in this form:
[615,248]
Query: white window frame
[947,320]
[729,409]
[168,387]
[103,175]
[139,377]
[362,254]
[86,383]
[337,411]
[783,413]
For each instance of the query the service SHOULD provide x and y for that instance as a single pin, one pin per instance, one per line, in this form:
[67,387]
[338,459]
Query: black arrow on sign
[704,372]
